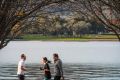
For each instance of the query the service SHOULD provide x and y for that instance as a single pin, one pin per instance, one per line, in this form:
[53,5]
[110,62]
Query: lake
[82,60]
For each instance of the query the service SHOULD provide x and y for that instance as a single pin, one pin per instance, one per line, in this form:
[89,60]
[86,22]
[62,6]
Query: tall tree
[106,12]
[14,13]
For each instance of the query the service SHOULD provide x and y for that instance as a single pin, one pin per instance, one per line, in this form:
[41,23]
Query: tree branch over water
[106,12]
[13,12]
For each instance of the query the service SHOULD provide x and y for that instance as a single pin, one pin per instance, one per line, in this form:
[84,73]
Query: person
[46,69]
[58,70]
[21,67]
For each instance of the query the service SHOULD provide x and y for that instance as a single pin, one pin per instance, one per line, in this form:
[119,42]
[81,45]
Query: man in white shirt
[21,67]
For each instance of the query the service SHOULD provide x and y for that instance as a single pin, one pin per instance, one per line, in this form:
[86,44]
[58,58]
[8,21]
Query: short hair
[55,55]
[22,55]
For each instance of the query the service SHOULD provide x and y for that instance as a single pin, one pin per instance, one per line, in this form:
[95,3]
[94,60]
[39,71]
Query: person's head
[23,56]
[55,56]
[45,60]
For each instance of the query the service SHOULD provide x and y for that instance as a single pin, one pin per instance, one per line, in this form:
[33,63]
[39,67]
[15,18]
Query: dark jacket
[47,73]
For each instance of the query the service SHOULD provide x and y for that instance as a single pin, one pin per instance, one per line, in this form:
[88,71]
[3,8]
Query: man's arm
[60,67]
[22,68]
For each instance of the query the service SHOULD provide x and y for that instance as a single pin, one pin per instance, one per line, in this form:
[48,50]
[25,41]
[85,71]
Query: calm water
[82,60]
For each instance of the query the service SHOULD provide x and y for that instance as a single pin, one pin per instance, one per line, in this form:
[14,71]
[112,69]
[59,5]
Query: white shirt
[20,64]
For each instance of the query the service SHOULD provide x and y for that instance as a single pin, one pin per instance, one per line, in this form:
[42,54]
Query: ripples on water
[71,72]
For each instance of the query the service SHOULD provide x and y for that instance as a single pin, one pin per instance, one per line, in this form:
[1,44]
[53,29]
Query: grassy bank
[63,38]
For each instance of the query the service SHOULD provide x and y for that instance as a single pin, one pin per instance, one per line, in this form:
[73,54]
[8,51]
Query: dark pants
[21,77]
[57,77]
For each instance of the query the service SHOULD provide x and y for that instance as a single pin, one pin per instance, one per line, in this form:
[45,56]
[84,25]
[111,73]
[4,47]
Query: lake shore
[70,40]
[85,38]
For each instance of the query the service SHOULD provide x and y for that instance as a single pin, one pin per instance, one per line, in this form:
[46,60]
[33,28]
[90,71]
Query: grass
[63,38]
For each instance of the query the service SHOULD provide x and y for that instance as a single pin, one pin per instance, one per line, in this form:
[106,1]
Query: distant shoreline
[81,40]
[84,38]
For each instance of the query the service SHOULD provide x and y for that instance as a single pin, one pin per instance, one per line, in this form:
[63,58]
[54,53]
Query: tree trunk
[117,34]
[1,46]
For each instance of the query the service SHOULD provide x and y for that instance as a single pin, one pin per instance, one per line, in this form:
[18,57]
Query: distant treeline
[93,29]
[56,26]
